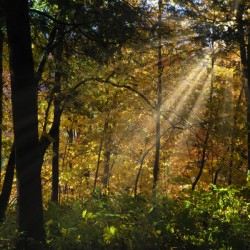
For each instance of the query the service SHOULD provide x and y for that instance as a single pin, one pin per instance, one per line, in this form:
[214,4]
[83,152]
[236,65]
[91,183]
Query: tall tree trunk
[233,138]
[55,162]
[7,184]
[25,119]
[49,48]
[245,61]
[9,175]
[159,101]
[106,171]
[140,169]
[1,96]
[203,160]
[98,164]
[248,84]
[106,154]
[216,175]
[70,142]
[57,120]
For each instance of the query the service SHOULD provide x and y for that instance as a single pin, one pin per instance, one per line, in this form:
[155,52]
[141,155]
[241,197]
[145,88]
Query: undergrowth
[215,219]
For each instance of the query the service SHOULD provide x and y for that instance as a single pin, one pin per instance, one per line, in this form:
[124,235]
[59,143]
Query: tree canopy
[125,124]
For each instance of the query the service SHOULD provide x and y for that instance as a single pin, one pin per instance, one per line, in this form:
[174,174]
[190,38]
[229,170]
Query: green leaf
[84,213]
[112,230]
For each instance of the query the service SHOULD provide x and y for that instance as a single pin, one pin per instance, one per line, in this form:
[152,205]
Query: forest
[124,124]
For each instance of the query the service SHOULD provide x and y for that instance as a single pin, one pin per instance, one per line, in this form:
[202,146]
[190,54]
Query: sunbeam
[194,113]
[175,104]
[181,87]
[200,102]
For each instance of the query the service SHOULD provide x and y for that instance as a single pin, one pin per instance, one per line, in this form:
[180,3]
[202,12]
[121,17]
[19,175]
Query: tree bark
[1,97]
[106,169]
[106,154]
[245,61]
[140,169]
[7,184]
[57,121]
[25,119]
[159,102]
[98,164]
[55,166]
[248,84]
[216,175]
[203,160]
[8,180]
[49,48]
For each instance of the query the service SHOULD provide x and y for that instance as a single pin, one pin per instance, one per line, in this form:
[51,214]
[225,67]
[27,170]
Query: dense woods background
[124,124]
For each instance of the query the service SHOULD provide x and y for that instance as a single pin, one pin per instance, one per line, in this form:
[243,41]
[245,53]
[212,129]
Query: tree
[25,119]
[159,99]
[227,24]
[1,88]
[243,35]
[57,117]
[7,184]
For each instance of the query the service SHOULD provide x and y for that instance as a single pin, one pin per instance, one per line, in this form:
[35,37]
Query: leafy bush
[8,232]
[215,219]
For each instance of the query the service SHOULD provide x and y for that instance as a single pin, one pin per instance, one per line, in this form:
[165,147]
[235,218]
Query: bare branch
[56,20]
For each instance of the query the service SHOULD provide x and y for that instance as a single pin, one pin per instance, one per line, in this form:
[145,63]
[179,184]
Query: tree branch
[41,13]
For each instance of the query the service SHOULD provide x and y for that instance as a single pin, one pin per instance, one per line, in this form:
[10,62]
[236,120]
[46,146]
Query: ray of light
[175,102]
[200,81]
[194,115]
[183,92]
[182,86]
[200,102]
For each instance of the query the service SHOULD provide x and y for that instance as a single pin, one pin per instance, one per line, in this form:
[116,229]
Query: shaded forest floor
[215,219]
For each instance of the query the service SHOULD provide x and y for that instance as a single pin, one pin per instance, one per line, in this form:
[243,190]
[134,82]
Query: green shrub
[205,220]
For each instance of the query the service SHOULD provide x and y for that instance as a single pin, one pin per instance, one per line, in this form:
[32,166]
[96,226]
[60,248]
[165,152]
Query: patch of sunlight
[182,93]
[192,91]
[195,112]
[182,86]
[200,102]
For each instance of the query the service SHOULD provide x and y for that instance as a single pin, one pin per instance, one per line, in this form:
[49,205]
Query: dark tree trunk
[159,102]
[55,168]
[157,152]
[9,175]
[49,48]
[1,96]
[216,175]
[7,184]
[106,169]
[203,160]
[25,120]
[248,85]
[245,61]
[107,155]
[104,144]
[70,142]
[57,120]
[98,164]
[140,169]
[233,139]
